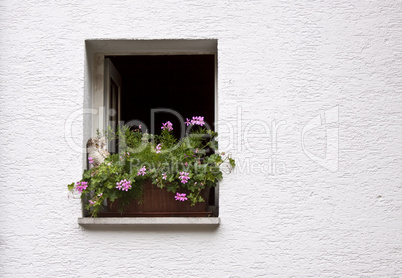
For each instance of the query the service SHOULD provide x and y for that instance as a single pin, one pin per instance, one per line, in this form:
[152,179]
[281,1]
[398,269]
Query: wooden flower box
[158,202]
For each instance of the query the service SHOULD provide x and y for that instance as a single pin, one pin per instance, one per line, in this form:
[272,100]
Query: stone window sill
[210,221]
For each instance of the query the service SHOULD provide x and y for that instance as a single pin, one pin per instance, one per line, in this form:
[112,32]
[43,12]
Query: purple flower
[184,177]
[80,186]
[123,185]
[90,160]
[142,171]
[158,148]
[196,120]
[180,197]
[91,202]
[168,125]
[188,122]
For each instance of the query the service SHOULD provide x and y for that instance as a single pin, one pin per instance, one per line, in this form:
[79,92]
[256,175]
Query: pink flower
[91,202]
[164,176]
[168,125]
[123,185]
[184,177]
[90,160]
[180,197]
[142,171]
[158,148]
[188,122]
[80,186]
[196,120]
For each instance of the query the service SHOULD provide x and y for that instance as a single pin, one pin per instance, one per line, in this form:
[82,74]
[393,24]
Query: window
[128,79]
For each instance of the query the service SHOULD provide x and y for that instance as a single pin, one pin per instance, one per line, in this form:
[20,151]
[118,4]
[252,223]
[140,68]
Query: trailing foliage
[192,164]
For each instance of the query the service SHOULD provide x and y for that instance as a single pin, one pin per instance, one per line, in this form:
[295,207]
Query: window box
[158,202]
[159,170]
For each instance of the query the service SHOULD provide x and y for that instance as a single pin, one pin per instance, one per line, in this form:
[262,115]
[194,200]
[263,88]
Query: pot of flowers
[153,175]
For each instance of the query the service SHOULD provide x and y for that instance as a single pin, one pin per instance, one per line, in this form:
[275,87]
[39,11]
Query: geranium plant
[190,164]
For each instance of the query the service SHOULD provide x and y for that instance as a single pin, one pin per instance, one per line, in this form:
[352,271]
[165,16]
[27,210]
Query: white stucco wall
[280,62]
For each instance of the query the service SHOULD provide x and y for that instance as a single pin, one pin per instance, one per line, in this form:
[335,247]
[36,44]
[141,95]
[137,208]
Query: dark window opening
[183,83]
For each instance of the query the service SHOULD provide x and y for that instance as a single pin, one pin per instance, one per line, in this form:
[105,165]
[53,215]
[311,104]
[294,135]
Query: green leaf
[109,185]
[232,162]
[87,174]
[112,196]
[71,186]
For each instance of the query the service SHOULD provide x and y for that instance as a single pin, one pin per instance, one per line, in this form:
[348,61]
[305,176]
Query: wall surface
[310,105]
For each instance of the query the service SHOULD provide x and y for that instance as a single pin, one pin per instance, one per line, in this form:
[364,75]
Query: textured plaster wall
[283,213]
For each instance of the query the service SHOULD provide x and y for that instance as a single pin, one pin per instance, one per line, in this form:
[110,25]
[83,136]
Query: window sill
[210,221]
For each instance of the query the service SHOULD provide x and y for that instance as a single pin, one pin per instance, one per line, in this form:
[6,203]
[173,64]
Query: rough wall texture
[285,212]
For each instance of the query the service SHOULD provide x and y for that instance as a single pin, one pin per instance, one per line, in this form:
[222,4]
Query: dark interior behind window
[184,83]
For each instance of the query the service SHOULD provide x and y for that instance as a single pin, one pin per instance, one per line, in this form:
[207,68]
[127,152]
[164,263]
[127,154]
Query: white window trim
[96,50]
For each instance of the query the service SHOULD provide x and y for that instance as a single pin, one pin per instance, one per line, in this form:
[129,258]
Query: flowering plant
[190,164]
